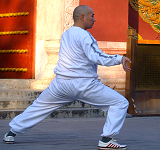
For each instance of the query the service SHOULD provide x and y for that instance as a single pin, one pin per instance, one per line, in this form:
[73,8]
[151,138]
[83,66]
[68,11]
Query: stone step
[19,94]
[23,104]
[59,113]
[14,104]
[22,94]
[24,84]
[28,94]
[62,113]
[116,84]
[21,99]
[42,84]
[11,107]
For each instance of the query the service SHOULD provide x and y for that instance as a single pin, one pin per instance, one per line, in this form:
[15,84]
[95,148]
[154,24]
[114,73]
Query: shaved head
[78,11]
[83,17]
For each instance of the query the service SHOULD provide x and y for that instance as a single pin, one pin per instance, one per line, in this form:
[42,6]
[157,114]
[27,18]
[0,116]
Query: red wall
[111,19]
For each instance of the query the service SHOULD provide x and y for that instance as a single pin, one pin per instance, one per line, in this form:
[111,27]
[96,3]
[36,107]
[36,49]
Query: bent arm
[96,55]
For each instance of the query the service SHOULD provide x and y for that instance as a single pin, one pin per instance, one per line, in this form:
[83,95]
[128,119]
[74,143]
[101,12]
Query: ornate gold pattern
[13,32]
[149,10]
[14,14]
[18,51]
[13,69]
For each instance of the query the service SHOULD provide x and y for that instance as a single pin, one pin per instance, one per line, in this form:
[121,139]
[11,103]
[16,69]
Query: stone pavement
[139,133]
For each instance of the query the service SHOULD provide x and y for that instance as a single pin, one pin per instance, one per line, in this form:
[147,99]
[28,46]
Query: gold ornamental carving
[149,11]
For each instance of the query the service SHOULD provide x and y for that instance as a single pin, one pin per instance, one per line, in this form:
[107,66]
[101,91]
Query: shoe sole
[104,148]
[8,142]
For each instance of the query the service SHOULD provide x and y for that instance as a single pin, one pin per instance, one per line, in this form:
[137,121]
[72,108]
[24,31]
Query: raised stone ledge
[28,84]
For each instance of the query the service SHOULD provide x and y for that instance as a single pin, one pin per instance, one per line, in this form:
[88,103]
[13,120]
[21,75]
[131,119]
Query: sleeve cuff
[119,59]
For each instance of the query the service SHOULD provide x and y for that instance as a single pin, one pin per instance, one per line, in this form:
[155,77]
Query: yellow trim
[138,35]
[14,14]
[13,69]
[148,41]
[19,51]
[13,32]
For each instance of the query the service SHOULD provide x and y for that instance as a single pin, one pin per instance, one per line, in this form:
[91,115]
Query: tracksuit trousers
[64,90]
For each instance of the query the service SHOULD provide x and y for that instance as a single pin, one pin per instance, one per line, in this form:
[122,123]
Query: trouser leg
[86,90]
[115,119]
[109,100]
[31,116]
[44,105]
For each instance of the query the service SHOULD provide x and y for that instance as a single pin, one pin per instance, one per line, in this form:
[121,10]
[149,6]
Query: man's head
[83,17]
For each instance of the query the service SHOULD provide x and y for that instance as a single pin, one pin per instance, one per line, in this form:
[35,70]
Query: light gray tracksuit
[76,79]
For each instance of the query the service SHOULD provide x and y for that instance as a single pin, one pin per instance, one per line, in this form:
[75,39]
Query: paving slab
[139,133]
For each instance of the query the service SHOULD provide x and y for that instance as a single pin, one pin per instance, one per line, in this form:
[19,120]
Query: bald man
[77,79]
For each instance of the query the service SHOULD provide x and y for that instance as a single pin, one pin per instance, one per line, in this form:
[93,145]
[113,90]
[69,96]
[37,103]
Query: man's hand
[124,63]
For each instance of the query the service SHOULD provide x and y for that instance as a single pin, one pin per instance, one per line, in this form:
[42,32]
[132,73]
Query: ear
[82,17]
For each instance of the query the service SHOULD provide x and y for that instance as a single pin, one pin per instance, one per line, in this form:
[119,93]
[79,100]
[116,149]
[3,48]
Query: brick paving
[139,133]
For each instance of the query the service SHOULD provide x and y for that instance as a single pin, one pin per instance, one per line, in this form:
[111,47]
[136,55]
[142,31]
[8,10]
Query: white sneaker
[110,145]
[8,139]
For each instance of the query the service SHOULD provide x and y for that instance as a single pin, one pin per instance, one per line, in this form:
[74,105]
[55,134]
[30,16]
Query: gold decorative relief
[149,10]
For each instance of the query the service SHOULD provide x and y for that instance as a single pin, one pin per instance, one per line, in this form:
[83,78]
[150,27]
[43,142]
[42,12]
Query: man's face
[89,19]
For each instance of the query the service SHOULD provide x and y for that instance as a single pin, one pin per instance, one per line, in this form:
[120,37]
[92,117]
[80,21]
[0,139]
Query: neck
[79,25]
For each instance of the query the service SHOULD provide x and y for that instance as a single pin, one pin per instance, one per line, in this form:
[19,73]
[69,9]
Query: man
[76,79]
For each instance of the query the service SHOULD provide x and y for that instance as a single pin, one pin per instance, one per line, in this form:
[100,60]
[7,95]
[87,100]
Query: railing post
[130,76]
